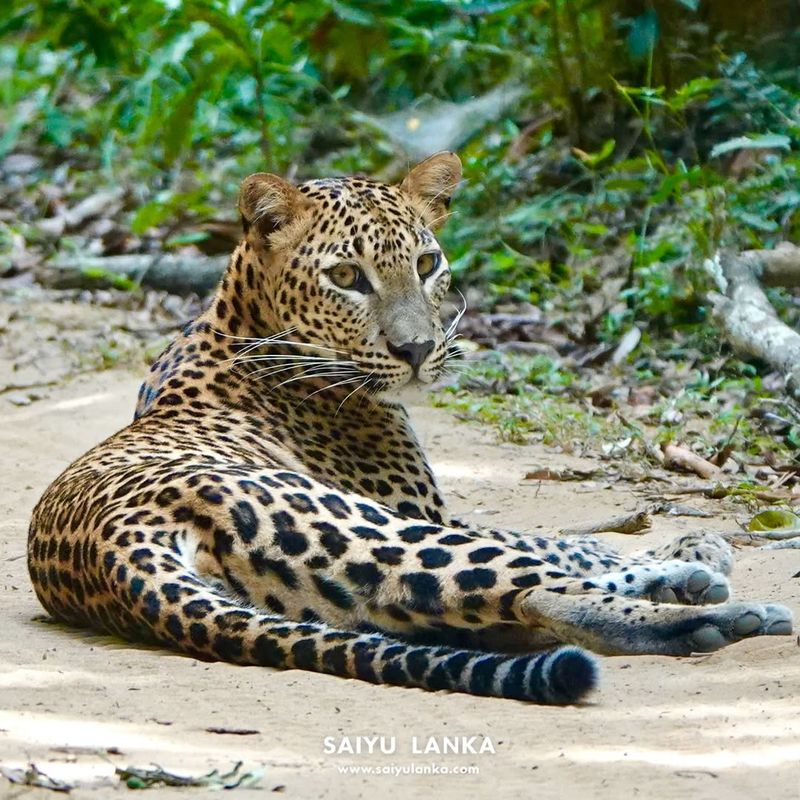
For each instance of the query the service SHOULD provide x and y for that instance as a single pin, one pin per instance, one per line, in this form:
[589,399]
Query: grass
[625,413]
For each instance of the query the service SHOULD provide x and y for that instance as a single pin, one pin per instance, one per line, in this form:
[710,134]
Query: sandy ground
[720,726]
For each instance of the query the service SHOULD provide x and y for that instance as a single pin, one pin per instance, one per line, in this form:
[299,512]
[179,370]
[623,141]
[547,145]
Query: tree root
[746,316]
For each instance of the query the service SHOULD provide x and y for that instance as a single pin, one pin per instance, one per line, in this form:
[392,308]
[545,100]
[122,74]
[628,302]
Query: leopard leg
[309,553]
[287,543]
[673,581]
[613,625]
[705,547]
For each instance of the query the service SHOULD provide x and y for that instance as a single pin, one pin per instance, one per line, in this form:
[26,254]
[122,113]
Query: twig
[556,474]
[717,491]
[724,453]
[676,510]
[633,523]
[573,96]
[676,456]
[784,544]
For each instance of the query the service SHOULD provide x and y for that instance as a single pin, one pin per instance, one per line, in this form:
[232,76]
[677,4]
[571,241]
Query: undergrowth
[628,412]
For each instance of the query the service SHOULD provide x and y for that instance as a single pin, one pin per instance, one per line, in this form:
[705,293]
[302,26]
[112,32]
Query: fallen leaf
[547,474]
[775,523]
[33,776]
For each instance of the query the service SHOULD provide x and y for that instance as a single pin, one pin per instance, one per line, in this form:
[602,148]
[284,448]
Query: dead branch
[778,267]
[784,544]
[636,522]
[717,491]
[746,316]
[565,474]
[680,457]
[178,274]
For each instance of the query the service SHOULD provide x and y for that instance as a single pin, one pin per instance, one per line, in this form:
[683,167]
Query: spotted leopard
[270,504]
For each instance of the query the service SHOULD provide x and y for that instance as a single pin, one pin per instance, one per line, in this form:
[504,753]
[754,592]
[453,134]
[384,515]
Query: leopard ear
[269,203]
[431,185]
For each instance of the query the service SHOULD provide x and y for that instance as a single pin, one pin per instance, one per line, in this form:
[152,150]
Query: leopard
[270,504]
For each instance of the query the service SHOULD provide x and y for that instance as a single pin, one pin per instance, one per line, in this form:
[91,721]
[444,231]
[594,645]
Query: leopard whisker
[448,189]
[255,341]
[280,357]
[438,219]
[307,374]
[315,346]
[330,386]
[279,339]
[275,370]
[450,333]
[254,338]
[254,345]
[361,385]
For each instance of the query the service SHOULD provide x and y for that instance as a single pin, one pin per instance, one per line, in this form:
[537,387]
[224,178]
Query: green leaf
[692,5]
[190,237]
[626,184]
[774,520]
[16,20]
[696,89]
[351,14]
[593,159]
[117,281]
[177,124]
[754,221]
[231,28]
[644,33]
[151,215]
[764,141]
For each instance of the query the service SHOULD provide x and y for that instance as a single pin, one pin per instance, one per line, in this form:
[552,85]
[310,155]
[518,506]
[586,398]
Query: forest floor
[77,706]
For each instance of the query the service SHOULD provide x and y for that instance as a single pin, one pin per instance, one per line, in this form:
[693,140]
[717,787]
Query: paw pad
[707,639]
[698,581]
[746,624]
[783,627]
[716,594]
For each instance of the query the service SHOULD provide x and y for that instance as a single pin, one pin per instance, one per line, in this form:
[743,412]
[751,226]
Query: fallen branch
[636,522]
[717,491]
[778,267]
[177,274]
[680,457]
[565,474]
[748,319]
[677,510]
[784,544]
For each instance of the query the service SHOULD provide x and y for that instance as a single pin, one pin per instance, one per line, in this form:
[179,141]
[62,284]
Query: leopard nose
[413,353]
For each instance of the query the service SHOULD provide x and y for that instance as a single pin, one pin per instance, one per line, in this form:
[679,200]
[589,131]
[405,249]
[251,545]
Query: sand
[725,725]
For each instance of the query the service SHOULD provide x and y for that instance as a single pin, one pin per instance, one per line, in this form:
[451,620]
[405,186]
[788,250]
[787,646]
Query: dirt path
[720,726]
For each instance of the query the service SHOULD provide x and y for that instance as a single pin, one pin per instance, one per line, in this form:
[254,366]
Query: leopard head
[353,265]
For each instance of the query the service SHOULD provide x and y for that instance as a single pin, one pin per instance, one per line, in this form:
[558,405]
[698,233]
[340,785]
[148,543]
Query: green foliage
[535,399]
[529,401]
[662,210]
[643,129]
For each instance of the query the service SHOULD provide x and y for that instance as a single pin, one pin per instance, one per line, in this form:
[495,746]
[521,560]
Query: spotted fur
[270,504]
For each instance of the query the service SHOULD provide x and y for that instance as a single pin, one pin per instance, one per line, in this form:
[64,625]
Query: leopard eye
[428,263]
[349,276]
[344,275]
